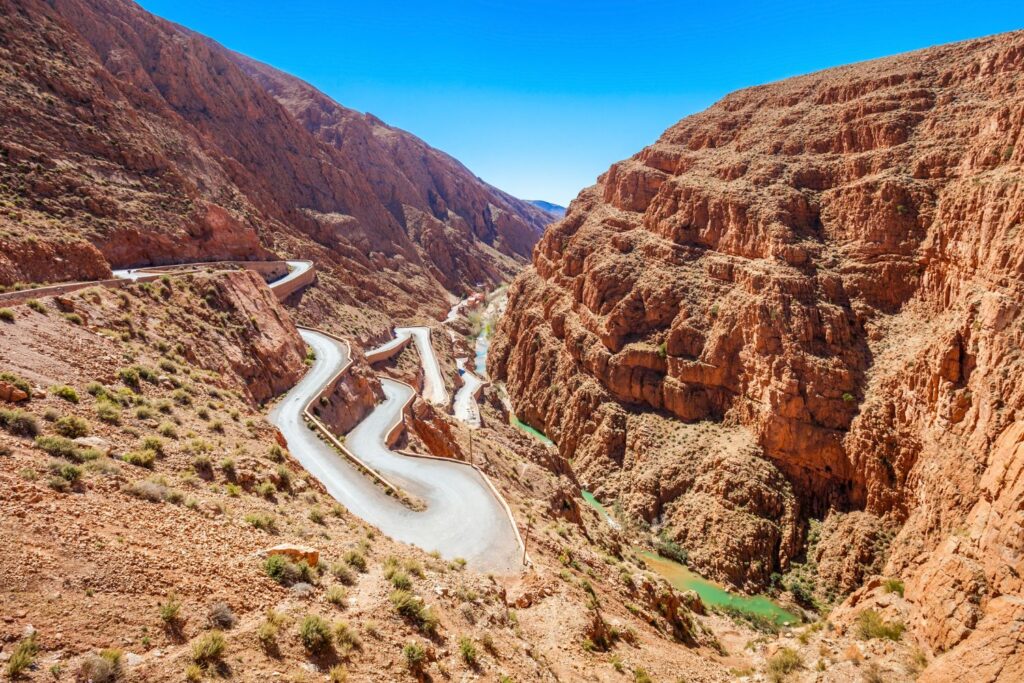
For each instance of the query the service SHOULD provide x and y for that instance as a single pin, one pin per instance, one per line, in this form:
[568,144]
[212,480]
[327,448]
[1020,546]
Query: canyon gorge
[778,352]
[805,304]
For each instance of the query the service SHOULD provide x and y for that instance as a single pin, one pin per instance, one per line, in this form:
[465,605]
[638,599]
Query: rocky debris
[793,263]
[11,393]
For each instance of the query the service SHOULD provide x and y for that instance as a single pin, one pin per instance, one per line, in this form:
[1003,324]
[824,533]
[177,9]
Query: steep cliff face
[832,267]
[154,144]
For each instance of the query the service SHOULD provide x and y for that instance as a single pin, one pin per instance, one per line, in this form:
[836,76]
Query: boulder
[102,445]
[295,553]
[11,393]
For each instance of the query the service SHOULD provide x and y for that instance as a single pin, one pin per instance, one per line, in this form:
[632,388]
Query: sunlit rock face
[823,279]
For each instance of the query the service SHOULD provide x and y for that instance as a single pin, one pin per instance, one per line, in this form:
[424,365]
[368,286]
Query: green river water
[683,578]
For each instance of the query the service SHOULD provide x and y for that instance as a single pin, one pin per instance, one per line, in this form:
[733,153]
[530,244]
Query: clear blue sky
[540,97]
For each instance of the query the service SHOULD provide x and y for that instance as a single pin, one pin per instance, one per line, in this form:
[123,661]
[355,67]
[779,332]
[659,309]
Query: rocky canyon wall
[805,302]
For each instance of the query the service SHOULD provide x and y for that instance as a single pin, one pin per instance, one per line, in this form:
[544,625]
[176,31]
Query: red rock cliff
[824,275]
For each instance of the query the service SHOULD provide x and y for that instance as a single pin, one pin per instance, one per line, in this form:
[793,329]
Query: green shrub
[266,489]
[58,446]
[65,392]
[346,636]
[415,657]
[413,609]
[268,630]
[168,366]
[276,453]
[7,315]
[155,444]
[355,559]
[181,397]
[168,430]
[262,520]
[870,625]
[467,650]
[893,586]
[667,547]
[73,318]
[316,515]
[170,611]
[782,663]
[400,579]
[342,573]
[37,306]
[640,675]
[284,476]
[65,470]
[109,412]
[141,458]
[130,377]
[315,634]
[72,426]
[19,423]
[22,657]
[208,648]
[336,595]
[144,413]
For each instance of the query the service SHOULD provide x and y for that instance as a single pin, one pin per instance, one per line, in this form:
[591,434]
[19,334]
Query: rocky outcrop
[268,351]
[152,144]
[830,264]
[355,394]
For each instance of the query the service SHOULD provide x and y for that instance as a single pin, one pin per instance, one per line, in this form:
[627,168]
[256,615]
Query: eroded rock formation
[830,271]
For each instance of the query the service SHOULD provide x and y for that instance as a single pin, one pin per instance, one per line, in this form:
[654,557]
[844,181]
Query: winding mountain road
[434,390]
[463,517]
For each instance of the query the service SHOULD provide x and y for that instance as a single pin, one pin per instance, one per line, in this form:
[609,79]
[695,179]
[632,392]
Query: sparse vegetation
[286,572]
[141,458]
[893,586]
[65,392]
[208,648]
[870,625]
[22,657]
[108,411]
[19,423]
[7,315]
[467,650]
[37,306]
[415,657]
[315,634]
[220,616]
[782,663]
[71,426]
[356,560]
[412,608]
[263,521]
[336,595]
[170,611]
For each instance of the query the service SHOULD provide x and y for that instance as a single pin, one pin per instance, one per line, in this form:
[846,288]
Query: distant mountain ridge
[128,140]
[553,209]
